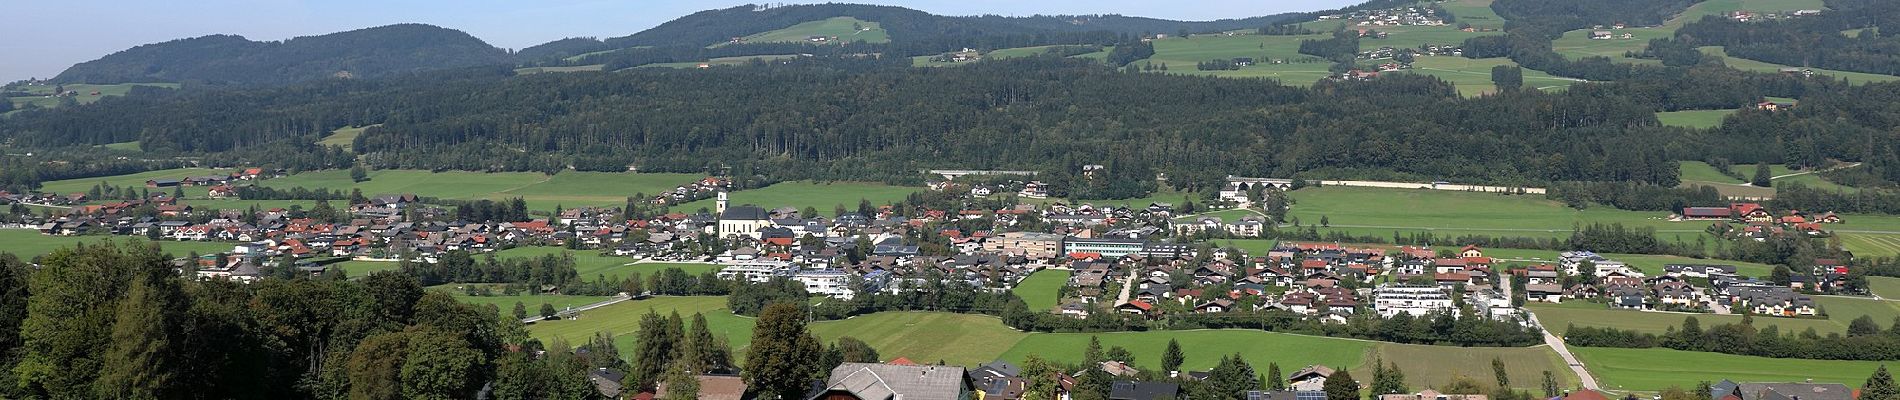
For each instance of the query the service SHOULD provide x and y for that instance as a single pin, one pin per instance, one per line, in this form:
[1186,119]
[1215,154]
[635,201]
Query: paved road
[1557,343]
[1128,285]
[616,300]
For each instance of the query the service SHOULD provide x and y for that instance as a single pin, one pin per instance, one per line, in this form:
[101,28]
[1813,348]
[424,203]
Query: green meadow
[841,27]
[355,268]
[1871,244]
[343,137]
[577,68]
[506,304]
[1253,247]
[1658,369]
[1651,264]
[542,192]
[81,185]
[1039,289]
[721,61]
[1473,76]
[1559,317]
[1380,211]
[1699,119]
[1885,287]
[823,196]
[1758,66]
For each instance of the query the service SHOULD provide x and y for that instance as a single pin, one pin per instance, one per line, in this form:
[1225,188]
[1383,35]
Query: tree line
[1865,340]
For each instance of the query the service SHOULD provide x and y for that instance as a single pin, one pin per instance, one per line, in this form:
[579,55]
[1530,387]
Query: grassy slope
[835,26]
[577,68]
[1752,65]
[1871,245]
[1039,289]
[1478,13]
[506,304]
[343,137]
[1886,287]
[27,243]
[1203,348]
[81,185]
[1473,76]
[721,61]
[801,194]
[1703,172]
[1657,369]
[1435,365]
[1700,119]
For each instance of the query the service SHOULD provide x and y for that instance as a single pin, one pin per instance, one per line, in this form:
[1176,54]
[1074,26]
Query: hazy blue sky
[42,37]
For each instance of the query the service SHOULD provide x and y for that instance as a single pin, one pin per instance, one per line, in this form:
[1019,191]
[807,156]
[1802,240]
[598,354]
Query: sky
[43,37]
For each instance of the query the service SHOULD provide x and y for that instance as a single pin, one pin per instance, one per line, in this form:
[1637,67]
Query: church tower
[720,205]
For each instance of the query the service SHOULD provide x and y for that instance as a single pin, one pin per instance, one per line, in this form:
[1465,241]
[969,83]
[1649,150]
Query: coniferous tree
[781,359]
[1879,386]
[1340,386]
[1504,378]
[1762,175]
[1172,358]
[1551,390]
[1275,381]
[653,353]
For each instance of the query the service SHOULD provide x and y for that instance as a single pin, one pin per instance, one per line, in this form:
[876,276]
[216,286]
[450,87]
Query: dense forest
[1814,41]
[230,59]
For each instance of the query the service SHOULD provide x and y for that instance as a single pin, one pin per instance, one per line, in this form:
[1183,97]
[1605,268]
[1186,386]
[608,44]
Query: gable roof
[885,381]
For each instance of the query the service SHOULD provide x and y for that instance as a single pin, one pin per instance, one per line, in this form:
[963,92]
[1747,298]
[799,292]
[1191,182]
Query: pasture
[1657,369]
[1885,287]
[823,196]
[840,27]
[355,268]
[542,192]
[1651,264]
[1472,77]
[81,185]
[1559,317]
[344,137]
[132,146]
[722,61]
[1698,119]
[1380,211]
[577,68]
[1039,290]
[27,243]
[623,319]
[1253,247]
[1478,13]
[1434,365]
[1871,244]
[1578,44]
[1204,348]
[1697,171]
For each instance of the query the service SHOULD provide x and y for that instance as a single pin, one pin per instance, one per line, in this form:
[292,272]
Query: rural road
[1557,343]
[616,300]
[1128,285]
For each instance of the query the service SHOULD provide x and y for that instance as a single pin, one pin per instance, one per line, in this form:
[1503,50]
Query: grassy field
[741,60]
[343,137]
[1559,317]
[1871,244]
[1578,44]
[1204,348]
[928,337]
[132,146]
[81,185]
[1700,119]
[1657,369]
[841,27]
[1253,247]
[1651,264]
[577,68]
[1478,13]
[85,96]
[355,268]
[27,243]
[1752,65]
[622,319]
[1436,365]
[1039,289]
[1473,76]
[1180,54]
[1843,310]
[1378,211]
[1885,287]
[1230,215]
[542,192]
[1698,171]
[823,196]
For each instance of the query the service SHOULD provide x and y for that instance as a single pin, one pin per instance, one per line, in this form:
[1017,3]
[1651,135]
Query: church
[746,220]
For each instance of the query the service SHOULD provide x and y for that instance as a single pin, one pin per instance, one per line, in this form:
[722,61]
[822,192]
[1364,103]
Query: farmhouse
[1705,213]
[1311,378]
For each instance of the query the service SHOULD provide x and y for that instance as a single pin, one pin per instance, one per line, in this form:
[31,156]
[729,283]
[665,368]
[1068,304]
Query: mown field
[590,264]
[1699,119]
[1039,289]
[542,192]
[823,196]
[137,181]
[355,268]
[841,27]
[1885,287]
[740,60]
[1254,247]
[1871,244]
[1657,369]
[1478,13]
[27,243]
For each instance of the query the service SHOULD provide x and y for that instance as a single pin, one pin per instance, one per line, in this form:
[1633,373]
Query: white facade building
[1394,299]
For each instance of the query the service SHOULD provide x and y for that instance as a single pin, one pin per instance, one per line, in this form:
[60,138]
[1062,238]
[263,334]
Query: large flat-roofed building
[1031,245]
[1110,248]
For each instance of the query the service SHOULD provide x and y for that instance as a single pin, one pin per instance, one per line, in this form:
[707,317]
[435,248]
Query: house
[1546,292]
[1601,35]
[1781,391]
[160,183]
[1750,212]
[1470,252]
[1214,306]
[1118,368]
[867,381]
[1773,105]
[1311,378]
[607,382]
[1138,307]
[1584,394]
[1705,213]
[1130,390]
[1418,301]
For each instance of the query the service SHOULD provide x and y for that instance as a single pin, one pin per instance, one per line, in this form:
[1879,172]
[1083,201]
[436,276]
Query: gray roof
[1125,390]
[744,213]
[885,381]
[1787,391]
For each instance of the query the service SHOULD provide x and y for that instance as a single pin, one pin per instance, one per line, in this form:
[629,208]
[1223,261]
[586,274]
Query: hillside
[903,25]
[363,53]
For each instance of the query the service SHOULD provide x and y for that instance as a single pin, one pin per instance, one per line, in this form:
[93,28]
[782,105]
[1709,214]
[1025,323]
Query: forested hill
[903,24]
[222,59]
